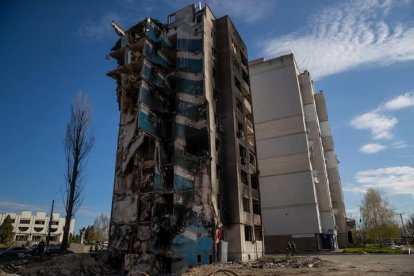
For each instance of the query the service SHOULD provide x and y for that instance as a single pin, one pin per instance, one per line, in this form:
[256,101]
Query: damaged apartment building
[186,187]
[302,198]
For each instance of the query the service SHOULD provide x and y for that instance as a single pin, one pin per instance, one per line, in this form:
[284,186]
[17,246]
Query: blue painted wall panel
[157,182]
[189,64]
[190,248]
[147,125]
[156,36]
[190,45]
[182,184]
[152,54]
[155,100]
[151,76]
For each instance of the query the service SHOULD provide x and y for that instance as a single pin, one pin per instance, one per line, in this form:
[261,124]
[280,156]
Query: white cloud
[346,36]
[126,13]
[379,125]
[13,206]
[393,180]
[129,12]
[99,29]
[372,148]
[401,101]
[400,145]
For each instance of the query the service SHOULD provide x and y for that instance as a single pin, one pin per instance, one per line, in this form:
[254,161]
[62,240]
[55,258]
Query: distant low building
[28,227]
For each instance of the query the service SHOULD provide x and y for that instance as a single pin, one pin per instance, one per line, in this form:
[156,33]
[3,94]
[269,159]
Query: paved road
[366,264]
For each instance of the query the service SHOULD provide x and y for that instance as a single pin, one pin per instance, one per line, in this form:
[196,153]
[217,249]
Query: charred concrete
[185,176]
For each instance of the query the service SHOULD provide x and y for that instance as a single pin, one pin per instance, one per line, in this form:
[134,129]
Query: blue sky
[360,53]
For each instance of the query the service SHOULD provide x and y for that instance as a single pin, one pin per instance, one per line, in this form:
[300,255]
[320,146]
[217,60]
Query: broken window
[252,158]
[240,130]
[244,60]
[256,207]
[242,152]
[245,77]
[246,205]
[258,233]
[239,105]
[171,18]
[146,150]
[243,176]
[199,18]
[197,144]
[236,64]
[254,181]
[248,233]
[237,83]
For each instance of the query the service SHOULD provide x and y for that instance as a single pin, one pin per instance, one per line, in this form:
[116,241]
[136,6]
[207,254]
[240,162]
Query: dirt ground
[323,264]
[335,264]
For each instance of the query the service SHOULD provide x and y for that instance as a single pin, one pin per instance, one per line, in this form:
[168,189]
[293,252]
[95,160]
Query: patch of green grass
[373,249]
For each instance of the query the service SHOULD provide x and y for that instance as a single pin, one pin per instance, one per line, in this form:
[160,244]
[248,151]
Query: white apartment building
[34,228]
[299,181]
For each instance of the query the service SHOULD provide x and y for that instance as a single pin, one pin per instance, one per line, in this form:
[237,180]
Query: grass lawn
[373,249]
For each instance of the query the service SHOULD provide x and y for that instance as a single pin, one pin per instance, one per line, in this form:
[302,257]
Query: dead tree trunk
[78,143]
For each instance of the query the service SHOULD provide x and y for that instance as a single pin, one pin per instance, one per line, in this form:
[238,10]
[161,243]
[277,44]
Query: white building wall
[288,194]
[29,227]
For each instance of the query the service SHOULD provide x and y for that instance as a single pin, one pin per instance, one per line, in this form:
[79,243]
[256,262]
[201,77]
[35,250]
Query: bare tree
[410,226]
[78,143]
[101,226]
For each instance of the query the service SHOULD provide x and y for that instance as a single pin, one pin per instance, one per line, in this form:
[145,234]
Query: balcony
[245,87]
[246,217]
[247,95]
[23,229]
[257,219]
[255,193]
[250,142]
[249,126]
[245,190]
[248,106]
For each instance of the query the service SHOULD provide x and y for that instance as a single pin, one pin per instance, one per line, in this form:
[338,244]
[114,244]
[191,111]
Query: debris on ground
[265,265]
[69,264]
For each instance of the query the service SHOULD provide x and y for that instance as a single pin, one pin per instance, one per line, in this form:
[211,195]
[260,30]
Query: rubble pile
[263,266]
[295,262]
[70,264]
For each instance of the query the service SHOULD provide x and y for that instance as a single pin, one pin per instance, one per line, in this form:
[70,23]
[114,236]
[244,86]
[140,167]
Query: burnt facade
[185,179]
